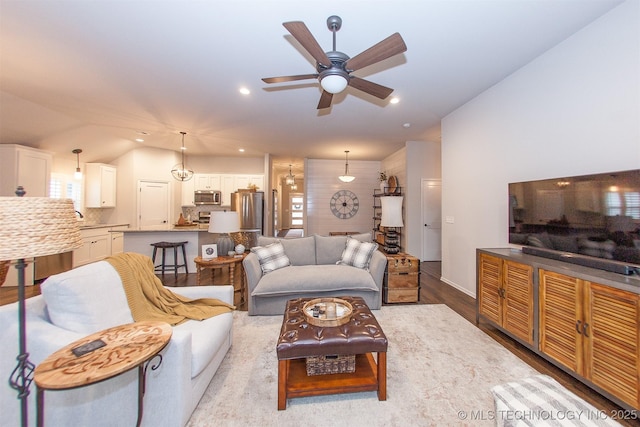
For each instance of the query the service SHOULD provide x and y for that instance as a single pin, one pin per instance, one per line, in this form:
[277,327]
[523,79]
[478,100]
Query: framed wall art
[210,251]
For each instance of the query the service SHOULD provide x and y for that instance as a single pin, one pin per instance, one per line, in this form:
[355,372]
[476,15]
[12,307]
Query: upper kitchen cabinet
[206,181]
[232,183]
[188,189]
[100,186]
[25,166]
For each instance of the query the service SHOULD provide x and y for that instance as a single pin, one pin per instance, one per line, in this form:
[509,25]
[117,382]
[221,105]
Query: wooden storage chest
[401,279]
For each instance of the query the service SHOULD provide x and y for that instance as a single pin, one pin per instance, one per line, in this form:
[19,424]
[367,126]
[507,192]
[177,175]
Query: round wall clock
[344,204]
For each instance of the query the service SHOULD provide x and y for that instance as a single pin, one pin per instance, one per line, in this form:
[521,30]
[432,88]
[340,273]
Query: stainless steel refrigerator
[250,206]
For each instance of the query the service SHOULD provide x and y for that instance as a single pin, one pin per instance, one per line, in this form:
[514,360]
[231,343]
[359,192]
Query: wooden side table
[401,279]
[125,347]
[219,263]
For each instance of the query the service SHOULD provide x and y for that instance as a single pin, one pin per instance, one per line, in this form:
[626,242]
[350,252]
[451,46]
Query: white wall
[321,182]
[574,110]
[423,162]
[416,161]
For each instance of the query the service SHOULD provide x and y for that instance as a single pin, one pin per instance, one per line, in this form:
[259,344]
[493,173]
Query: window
[625,203]
[297,210]
[632,204]
[65,187]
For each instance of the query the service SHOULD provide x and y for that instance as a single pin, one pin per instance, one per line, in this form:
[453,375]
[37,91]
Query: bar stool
[175,245]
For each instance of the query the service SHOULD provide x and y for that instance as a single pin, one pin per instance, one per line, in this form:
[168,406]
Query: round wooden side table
[219,263]
[140,342]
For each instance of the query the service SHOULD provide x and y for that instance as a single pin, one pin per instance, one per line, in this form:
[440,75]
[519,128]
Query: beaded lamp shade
[37,226]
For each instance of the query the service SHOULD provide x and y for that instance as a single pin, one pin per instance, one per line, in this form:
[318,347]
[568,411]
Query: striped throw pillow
[357,254]
[271,257]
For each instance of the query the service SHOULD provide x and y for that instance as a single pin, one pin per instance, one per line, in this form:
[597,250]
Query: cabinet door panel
[613,342]
[560,310]
[518,310]
[490,281]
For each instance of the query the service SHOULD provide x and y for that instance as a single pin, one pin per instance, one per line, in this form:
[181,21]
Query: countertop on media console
[629,283]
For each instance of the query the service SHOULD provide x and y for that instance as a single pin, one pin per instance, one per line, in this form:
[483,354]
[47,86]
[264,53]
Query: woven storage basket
[4,269]
[338,364]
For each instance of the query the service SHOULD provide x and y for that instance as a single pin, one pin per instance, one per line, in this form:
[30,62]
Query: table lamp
[33,227]
[390,219]
[223,223]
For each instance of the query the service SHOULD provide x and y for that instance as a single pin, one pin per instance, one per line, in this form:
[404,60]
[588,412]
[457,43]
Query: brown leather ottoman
[361,336]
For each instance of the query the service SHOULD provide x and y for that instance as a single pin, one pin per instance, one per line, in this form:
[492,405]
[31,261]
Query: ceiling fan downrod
[334,23]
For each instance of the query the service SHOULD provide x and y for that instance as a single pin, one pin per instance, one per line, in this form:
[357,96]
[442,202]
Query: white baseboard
[458,287]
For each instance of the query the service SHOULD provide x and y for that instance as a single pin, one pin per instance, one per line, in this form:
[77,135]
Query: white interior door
[431,220]
[153,204]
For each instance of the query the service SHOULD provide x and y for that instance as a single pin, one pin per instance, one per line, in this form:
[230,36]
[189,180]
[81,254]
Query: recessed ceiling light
[139,140]
[394,100]
[406,125]
[244,91]
[241,150]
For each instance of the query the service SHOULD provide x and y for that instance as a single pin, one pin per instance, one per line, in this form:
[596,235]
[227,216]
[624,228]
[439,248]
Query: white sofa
[91,298]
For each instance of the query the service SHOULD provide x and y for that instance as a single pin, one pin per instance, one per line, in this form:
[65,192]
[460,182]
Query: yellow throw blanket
[149,300]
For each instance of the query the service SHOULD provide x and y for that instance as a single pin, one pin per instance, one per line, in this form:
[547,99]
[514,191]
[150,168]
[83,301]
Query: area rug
[440,369]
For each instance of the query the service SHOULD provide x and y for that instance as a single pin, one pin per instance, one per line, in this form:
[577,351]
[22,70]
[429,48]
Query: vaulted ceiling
[97,75]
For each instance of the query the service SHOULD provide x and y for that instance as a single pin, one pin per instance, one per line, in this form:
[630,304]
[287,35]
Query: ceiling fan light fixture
[333,82]
[346,177]
[180,171]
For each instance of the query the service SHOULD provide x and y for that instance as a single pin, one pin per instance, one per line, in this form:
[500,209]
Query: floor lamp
[32,227]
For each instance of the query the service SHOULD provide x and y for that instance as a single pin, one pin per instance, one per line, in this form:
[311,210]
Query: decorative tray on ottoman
[327,312]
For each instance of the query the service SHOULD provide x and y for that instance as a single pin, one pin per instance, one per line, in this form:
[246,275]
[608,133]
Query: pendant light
[346,177]
[78,173]
[180,171]
[290,179]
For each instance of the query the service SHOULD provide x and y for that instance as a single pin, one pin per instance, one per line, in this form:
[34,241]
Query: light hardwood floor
[433,291]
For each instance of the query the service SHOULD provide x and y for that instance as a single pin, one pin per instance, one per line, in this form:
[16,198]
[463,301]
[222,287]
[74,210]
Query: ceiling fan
[334,68]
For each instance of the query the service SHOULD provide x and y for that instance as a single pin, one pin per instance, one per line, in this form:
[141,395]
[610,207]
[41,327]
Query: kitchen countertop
[168,228]
[91,226]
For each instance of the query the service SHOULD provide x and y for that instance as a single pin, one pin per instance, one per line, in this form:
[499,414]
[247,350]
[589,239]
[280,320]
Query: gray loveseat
[312,272]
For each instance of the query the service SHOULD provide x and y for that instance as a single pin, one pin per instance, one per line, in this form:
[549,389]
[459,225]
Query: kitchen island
[139,241]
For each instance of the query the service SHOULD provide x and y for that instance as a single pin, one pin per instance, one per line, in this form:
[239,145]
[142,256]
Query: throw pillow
[271,257]
[357,254]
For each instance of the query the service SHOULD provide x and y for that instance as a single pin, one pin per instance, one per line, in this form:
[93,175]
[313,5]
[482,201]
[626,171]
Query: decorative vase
[384,185]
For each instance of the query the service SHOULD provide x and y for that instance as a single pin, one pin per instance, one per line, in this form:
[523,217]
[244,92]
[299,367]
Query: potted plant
[382,177]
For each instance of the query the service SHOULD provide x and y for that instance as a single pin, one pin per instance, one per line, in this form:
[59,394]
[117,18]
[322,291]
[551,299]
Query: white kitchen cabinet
[231,184]
[117,242]
[96,245]
[244,181]
[100,186]
[188,188]
[25,166]
[228,187]
[206,181]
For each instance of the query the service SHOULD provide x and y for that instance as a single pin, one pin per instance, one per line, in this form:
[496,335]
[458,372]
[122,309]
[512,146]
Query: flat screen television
[591,220]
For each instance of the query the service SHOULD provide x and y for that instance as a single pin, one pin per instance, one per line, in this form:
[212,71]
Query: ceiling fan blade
[282,79]
[371,88]
[392,45]
[325,100]
[300,32]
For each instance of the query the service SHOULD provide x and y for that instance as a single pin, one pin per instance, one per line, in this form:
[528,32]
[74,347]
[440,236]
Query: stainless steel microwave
[207,197]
